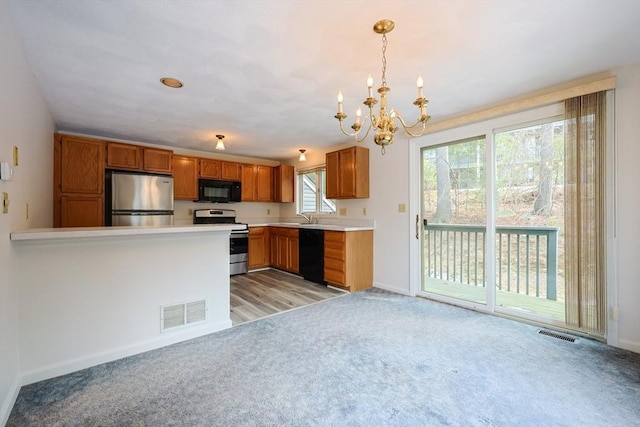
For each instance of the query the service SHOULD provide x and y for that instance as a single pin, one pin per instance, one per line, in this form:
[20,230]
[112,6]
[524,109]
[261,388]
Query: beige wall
[25,122]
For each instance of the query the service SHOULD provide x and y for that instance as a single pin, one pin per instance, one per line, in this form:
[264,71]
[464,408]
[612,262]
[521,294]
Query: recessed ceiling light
[171,82]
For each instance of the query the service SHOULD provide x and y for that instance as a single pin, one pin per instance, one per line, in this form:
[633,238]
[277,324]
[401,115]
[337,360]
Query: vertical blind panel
[585,147]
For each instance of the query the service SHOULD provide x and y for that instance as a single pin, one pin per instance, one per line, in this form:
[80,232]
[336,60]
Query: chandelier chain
[384,60]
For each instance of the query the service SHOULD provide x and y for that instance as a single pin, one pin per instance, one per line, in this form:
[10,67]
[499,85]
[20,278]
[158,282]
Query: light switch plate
[6,171]
[5,202]
[402,208]
[15,156]
[343,211]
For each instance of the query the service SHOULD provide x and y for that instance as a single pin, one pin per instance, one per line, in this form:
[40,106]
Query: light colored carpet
[367,359]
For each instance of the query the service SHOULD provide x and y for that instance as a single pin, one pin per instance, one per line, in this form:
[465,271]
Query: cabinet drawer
[334,250]
[333,276]
[334,264]
[334,236]
[257,231]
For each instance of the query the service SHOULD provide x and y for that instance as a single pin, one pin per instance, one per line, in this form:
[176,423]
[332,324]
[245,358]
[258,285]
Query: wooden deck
[540,306]
[263,293]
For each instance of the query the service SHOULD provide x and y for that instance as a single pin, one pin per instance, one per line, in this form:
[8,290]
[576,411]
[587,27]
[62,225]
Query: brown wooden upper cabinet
[157,160]
[230,171]
[210,168]
[348,173]
[124,156]
[185,178]
[78,181]
[257,183]
[283,184]
[135,157]
[220,169]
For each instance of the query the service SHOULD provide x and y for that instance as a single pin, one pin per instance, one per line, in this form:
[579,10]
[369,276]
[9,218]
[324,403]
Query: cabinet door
[81,211]
[347,173]
[157,160]
[185,178]
[333,175]
[81,167]
[248,183]
[284,184]
[292,251]
[264,183]
[283,249]
[258,247]
[124,156]
[273,246]
[230,171]
[210,168]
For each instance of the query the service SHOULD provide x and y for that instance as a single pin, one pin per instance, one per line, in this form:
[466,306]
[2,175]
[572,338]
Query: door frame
[486,128]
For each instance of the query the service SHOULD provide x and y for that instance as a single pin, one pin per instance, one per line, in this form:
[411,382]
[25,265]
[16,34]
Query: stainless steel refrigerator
[139,199]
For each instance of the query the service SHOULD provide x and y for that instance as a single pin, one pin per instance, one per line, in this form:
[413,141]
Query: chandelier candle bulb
[340,99]
[358,114]
[370,85]
[420,84]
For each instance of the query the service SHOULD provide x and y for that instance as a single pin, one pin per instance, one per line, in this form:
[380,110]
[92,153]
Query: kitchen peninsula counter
[92,295]
[100,232]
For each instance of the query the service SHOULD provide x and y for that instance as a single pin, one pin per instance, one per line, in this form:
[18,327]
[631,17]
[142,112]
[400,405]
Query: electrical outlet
[402,208]
[26,213]
[268,211]
[364,211]
[15,156]
[190,211]
[343,211]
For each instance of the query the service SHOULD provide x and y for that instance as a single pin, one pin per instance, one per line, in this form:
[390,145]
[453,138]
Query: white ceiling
[266,73]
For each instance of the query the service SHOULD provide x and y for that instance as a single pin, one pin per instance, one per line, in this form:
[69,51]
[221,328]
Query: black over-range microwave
[216,191]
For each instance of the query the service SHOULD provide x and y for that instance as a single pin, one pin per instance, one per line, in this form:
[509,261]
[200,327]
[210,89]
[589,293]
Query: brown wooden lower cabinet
[258,247]
[283,243]
[81,211]
[348,259]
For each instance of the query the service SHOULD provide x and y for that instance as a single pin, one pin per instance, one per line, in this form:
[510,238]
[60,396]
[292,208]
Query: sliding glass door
[529,217]
[454,220]
[492,216]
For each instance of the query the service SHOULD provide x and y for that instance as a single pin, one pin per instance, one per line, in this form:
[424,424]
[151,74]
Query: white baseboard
[629,345]
[10,400]
[400,291]
[110,355]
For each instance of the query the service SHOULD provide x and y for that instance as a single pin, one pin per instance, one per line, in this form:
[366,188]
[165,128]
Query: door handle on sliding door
[417,227]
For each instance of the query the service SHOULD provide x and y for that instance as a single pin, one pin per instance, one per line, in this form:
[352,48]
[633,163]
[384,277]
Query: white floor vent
[183,314]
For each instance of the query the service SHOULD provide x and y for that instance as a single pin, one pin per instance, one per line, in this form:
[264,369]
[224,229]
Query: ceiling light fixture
[171,82]
[303,157]
[220,144]
[384,122]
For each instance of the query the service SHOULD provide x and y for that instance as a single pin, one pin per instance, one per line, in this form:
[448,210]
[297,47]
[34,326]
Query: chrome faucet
[308,218]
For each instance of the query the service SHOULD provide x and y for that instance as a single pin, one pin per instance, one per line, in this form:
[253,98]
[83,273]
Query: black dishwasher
[311,255]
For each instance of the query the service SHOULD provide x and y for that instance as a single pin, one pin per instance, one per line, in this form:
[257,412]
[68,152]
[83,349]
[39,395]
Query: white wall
[26,123]
[627,206]
[93,300]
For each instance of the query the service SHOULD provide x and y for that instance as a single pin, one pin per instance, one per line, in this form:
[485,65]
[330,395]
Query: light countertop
[330,227]
[97,232]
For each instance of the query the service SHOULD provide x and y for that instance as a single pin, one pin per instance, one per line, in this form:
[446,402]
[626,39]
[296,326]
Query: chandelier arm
[407,127]
[355,134]
[365,135]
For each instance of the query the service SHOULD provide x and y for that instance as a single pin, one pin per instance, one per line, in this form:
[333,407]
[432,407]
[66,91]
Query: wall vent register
[183,314]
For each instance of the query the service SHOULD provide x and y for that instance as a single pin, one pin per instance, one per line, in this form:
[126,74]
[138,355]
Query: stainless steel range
[239,239]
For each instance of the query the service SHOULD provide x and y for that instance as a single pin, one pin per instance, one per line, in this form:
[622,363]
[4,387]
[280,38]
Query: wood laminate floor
[263,293]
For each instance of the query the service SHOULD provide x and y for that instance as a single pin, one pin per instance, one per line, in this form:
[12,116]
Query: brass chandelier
[385,122]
